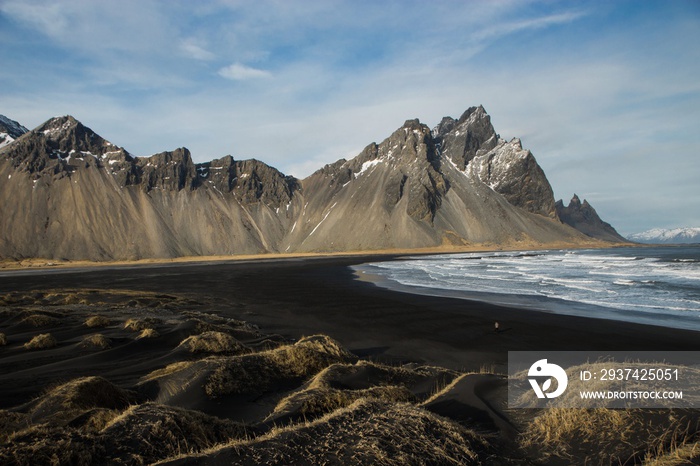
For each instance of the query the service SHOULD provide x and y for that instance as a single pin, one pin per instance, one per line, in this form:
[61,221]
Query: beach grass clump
[41,341]
[608,436]
[96,341]
[149,432]
[140,434]
[139,325]
[421,381]
[40,320]
[51,445]
[148,333]
[213,342]
[679,455]
[74,398]
[366,432]
[316,401]
[97,321]
[267,370]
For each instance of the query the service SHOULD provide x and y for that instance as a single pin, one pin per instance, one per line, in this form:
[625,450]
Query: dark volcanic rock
[585,219]
[168,170]
[462,140]
[513,172]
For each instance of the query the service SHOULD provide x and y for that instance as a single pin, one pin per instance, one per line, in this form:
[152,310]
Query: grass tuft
[41,341]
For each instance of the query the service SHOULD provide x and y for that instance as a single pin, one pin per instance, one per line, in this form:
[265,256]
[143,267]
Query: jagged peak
[516,142]
[58,124]
[473,113]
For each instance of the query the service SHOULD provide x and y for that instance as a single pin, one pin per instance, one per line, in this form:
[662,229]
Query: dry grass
[366,432]
[148,333]
[607,436]
[261,372]
[311,403]
[72,399]
[141,434]
[40,320]
[149,432]
[681,455]
[340,385]
[139,325]
[213,342]
[41,341]
[97,321]
[96,341]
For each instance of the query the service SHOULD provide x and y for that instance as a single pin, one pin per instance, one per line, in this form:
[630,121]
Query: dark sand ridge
[286,299]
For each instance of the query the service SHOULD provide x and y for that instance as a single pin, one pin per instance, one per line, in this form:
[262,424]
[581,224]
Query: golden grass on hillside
[260,372]
[608,436]
[73,398]
[141,434]
[213,342]
[340,385]
[366,432]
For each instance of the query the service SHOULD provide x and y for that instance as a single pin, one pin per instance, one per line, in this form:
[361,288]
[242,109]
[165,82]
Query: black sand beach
[267,305]
[296,297]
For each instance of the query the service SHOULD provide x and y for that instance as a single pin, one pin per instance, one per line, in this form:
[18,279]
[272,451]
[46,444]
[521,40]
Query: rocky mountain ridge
[70,194]
[583,217]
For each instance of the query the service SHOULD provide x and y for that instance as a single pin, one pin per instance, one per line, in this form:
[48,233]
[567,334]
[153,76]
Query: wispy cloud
[504,28]
[582,85]
[192,49]
[240,72]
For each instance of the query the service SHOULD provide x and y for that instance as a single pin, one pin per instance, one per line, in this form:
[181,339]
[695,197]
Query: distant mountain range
[667,236]
[67,193]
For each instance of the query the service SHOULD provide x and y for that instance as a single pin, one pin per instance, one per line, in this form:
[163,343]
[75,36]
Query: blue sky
[605,94]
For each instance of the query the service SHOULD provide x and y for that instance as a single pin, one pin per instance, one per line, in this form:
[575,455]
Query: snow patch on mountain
[667,236]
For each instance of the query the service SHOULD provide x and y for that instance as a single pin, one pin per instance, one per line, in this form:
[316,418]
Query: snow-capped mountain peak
[667,236]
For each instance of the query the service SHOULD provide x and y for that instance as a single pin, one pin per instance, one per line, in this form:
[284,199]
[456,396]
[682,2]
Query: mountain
[667,236]
[67,193]
[585,219]
[10,130]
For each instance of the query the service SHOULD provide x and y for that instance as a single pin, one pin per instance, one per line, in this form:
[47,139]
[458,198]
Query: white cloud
[240,72]
[192,49]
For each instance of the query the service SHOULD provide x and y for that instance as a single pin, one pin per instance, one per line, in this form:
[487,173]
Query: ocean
[653,285]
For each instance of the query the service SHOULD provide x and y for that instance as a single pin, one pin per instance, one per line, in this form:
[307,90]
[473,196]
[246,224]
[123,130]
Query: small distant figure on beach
[496,327]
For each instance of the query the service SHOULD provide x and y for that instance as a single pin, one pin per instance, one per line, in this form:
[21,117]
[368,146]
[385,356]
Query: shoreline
[55,264]
[305,296]
[530,303]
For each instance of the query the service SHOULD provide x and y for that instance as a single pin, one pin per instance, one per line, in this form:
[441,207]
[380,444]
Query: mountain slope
[667,236]
[67,193]
[585,219]
[406,192]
